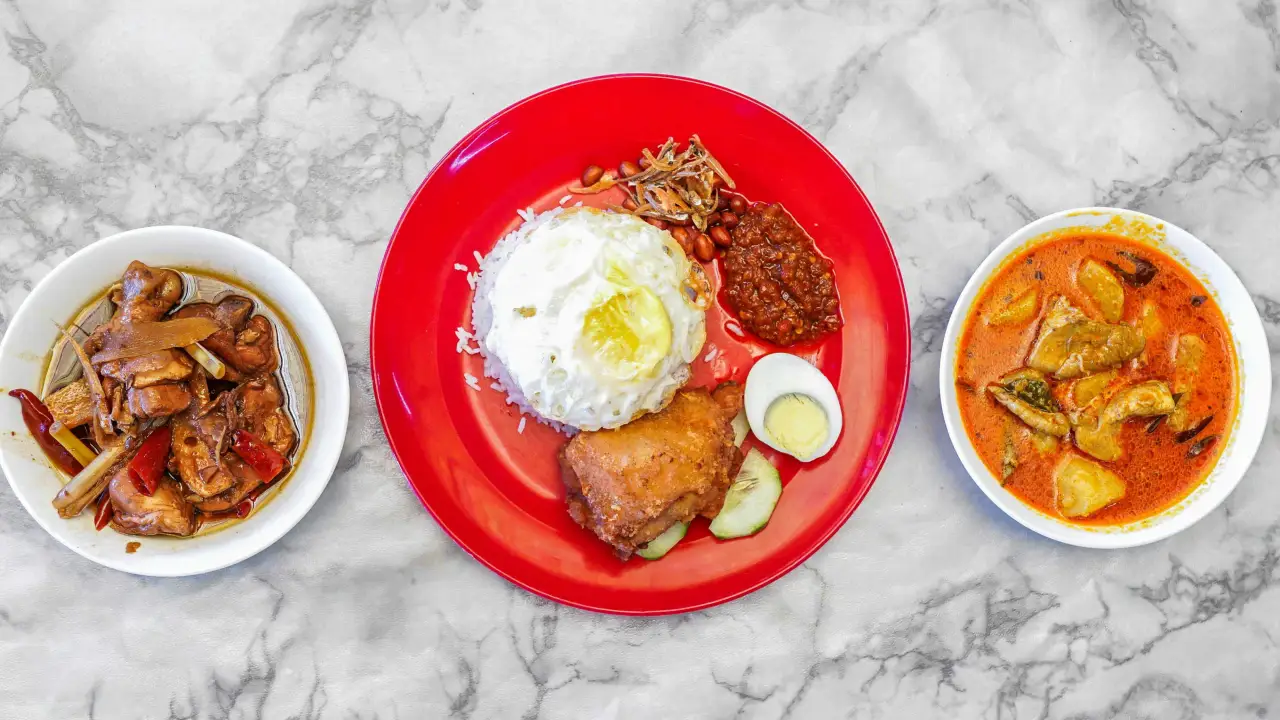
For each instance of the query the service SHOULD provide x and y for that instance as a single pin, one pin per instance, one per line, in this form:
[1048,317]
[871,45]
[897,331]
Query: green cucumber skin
[752,512]
[661,545]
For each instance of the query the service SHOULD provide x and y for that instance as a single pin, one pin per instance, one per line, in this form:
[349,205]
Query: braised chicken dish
[166,409]
[630,485]
[1096,379]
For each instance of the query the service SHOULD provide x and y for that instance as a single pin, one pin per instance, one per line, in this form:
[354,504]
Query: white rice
[520,428]
[565,199]
[472,381]
[464,345]
[482,313]
[460,267]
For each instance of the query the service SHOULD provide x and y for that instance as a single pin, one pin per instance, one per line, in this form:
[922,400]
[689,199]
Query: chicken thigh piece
[631,484]
[165,512]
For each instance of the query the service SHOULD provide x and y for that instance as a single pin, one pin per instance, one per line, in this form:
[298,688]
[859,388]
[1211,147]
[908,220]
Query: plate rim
[898,406]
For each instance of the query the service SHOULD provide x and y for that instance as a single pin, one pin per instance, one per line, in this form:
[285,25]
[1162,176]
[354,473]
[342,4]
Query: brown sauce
[781,288]
[1154,466]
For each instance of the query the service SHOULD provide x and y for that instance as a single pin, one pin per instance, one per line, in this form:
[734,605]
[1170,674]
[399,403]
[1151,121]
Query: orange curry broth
[1154,467]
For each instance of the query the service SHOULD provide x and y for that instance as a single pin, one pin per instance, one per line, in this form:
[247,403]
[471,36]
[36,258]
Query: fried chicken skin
[630,484]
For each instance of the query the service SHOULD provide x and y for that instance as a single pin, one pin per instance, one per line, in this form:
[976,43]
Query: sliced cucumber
[751,499]
[740,428]
[659,546]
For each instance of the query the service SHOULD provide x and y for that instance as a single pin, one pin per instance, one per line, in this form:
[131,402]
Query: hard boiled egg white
[792,407]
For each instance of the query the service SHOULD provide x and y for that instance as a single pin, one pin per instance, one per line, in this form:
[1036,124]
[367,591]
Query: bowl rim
[1245,438]
[323,453]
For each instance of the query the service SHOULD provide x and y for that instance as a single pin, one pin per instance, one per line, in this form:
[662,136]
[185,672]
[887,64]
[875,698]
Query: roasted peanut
[729,219]
[629,204]
[627,168]
[592,175]
[720,237]
[657,222]
[682,239]
[703,248]
[737,204]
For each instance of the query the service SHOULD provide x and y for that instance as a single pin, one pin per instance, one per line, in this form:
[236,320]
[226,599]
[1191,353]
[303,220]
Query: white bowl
[84,276]
[1254,373]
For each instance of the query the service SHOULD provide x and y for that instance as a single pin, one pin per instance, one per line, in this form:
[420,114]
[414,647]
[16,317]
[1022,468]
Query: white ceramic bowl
[85,275]
[1254,374]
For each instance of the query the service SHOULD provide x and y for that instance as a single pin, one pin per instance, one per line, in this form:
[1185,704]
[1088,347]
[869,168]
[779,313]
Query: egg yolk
[629,333]
[797,423]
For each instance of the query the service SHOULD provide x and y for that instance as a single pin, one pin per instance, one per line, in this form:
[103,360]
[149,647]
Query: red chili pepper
[105,511]
[148,463]
[260,456]
[38,419]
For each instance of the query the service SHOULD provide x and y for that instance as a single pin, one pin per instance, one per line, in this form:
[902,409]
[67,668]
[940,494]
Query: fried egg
[590,318]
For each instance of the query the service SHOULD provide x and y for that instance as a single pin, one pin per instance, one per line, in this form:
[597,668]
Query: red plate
[497,492]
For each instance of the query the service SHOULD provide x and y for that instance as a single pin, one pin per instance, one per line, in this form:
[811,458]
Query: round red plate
[496,491]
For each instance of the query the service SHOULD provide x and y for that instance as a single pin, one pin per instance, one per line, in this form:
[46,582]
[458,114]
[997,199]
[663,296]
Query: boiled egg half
[792,407]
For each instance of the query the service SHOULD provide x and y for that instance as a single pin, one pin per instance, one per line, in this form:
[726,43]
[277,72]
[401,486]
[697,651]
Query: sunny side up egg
[590,318]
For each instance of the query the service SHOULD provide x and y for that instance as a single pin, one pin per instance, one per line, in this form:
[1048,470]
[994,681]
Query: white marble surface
[305,125]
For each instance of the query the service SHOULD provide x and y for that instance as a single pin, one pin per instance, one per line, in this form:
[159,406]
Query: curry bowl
[1052,450]
[304,336]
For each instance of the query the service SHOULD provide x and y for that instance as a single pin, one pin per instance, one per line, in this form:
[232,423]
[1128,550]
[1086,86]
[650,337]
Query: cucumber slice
[740,428]
[751,499]
[659,546]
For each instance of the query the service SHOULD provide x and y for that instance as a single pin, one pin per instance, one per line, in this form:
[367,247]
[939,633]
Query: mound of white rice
[482,314]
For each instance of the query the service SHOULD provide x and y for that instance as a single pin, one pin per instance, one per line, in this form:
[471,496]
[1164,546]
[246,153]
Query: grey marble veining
[305,125]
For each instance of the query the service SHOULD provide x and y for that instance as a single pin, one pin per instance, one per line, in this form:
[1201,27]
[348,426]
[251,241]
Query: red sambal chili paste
[781,288]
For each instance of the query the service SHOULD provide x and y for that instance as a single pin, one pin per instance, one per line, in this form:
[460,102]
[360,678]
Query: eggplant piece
[1144,271]
[1100,436]
[1071,346]
[1085,487]
[1103,287]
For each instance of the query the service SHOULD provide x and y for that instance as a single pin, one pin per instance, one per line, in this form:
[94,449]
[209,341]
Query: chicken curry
[1096,378]
[169,404]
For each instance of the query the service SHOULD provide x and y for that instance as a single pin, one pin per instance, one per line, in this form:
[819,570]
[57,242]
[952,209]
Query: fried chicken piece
[630,484]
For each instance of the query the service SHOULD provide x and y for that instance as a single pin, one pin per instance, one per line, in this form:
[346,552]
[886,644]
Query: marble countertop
[305,125]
